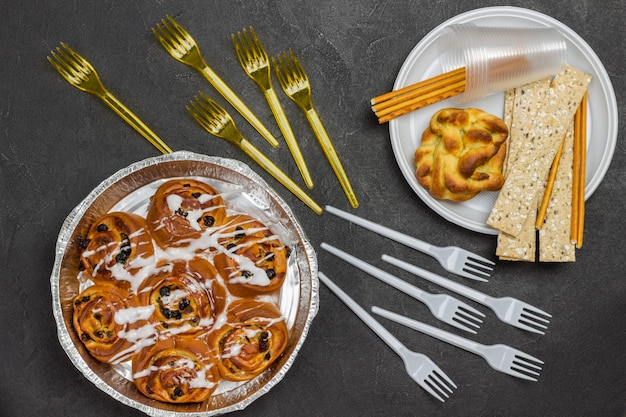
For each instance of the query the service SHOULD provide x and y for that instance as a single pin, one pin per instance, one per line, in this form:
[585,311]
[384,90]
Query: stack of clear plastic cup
[499,58]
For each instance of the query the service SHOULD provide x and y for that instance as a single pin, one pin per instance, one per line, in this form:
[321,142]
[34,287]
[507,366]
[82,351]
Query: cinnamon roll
[253,260]
[181,209]
[185,295]
[115,248]
[253,337]
[176,370]
[106,319]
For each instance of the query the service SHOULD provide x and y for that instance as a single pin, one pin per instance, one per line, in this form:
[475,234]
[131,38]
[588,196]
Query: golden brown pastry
[176,370]
[254,260]
[116,247]
[161,304]
[185,295]
[95,323]
[182,209]
[254,336]
[461,153]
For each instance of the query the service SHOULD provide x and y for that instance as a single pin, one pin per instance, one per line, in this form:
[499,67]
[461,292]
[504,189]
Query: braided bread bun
[461,154]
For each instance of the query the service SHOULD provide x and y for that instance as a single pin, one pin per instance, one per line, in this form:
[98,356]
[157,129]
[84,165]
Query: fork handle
[331,155]
[461,289]
[432,331]
[287,132]
[371,322]
[382,230]
[239,105]
[125,113]
[277,173]
[385,277]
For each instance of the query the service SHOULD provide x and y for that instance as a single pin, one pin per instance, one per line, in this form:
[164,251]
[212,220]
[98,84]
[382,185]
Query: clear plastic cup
[499,58]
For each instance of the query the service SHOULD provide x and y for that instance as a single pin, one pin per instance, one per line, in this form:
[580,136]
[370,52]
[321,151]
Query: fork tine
[467,322]
[281,71]
[73,59]
[60,65]
[209,105]
[288,69]
[177,30]
[172,36]
[432,389]
[477,274]
[446,382]
[516,373]
[521,325]
[468,319]
[249,45]
[481,259]
[535,321]
[454,321]
[239,47]
[194,108]
[530,322]
[172,41]
[477,265]
[256,42]
[204,112]
[441,381]
[529,361]
[163,38]
[216,114]
[537,313]
[296,66]
[65,62]
[466,274]
[525,366]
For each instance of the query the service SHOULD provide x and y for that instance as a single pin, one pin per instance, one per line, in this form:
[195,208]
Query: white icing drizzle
[145,267]
[145,372]
[133,314]
[174,296]
[174,202]
[139,338]
[194,217]
[198,381]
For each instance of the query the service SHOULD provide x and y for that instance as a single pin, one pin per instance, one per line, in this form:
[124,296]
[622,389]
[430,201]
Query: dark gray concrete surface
[58,143]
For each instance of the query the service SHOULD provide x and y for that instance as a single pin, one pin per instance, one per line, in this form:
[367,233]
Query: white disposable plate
[424,62]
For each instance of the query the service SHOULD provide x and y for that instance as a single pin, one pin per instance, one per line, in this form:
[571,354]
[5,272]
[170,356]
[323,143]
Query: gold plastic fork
[256,64]
[215,120]
[182,47]
[82,75]
[295,83]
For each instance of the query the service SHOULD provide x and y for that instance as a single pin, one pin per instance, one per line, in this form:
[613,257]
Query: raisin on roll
[116,247]
[253,260]
[106,319]
[253,337]
[186,296]
[182,209]
[176,370]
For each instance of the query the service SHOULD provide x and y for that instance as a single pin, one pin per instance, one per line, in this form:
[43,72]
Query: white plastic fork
[418,366]
[452,258]
[508,309]
[444,307]
[500,357]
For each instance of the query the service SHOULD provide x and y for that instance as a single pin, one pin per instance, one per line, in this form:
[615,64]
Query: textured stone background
[57,144]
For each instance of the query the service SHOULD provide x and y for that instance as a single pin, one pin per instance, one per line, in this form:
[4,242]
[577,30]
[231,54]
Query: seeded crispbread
[555,244]
[520,248]
[523,247]
[526,105]
[525,176]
